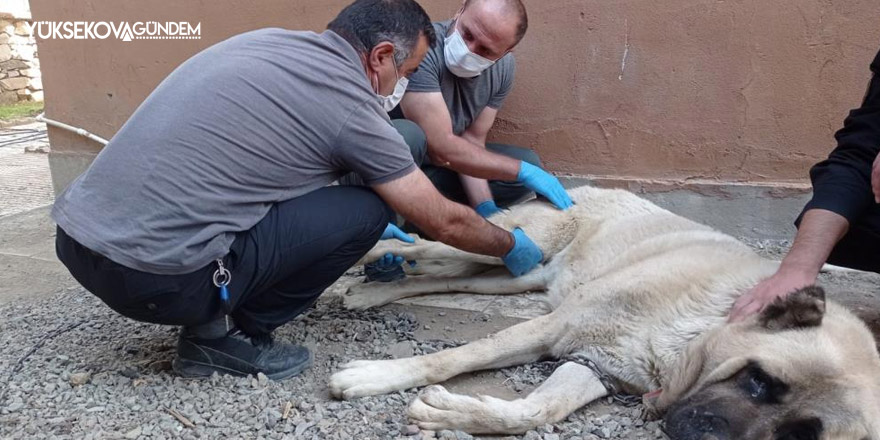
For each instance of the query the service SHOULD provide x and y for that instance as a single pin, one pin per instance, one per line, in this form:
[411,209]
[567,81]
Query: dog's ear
[801,309]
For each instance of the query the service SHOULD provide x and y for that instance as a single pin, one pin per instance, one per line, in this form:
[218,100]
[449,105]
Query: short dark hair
[366,23]
[515,7]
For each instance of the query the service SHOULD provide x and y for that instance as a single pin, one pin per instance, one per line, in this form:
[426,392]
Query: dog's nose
[696,424]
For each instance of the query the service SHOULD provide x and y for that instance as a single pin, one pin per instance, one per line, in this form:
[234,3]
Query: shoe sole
[195,370]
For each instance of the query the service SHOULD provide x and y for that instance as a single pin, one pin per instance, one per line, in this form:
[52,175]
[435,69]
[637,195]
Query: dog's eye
[805,429]
[760,386]
[757,388]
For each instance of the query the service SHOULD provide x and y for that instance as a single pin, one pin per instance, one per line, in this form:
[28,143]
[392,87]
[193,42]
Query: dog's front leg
[497,282]
[522,343]
[425,250]
[570,387]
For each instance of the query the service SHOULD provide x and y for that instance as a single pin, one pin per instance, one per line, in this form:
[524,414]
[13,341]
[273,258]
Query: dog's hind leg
[495,282]
[570,387]
[525,342]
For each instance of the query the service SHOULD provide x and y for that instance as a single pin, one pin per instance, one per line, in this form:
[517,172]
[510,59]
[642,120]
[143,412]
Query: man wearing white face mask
[214,199]
[454,97]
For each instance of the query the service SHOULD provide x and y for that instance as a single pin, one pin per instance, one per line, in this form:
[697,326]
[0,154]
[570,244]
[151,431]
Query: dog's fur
[645,295]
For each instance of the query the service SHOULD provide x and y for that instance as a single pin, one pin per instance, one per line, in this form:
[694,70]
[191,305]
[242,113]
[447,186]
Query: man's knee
[414,137]
[528,155]
[518,153]
[374,210]
[350,207]
[857,250]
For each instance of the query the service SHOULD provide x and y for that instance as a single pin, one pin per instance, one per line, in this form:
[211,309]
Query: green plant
[20,110]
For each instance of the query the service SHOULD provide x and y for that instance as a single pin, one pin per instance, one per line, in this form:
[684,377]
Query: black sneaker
[237,354]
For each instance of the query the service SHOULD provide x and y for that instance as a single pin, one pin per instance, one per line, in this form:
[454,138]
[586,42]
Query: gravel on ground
[72,368]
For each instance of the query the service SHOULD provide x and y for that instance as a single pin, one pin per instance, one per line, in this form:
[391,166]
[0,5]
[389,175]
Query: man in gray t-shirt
[213,199]
[455,96]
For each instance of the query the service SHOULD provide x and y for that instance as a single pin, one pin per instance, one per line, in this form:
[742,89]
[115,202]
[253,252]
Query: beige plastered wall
[678,90]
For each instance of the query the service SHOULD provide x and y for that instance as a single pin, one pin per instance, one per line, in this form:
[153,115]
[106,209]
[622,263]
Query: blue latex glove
[487,209]
[543,183]
[388,261]
[392,231]
[524,256]
[388,268]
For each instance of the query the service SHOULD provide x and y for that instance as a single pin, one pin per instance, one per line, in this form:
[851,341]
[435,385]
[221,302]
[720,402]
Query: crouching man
[213,198]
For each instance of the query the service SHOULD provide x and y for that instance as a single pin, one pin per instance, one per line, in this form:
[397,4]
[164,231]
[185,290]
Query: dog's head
[801,370]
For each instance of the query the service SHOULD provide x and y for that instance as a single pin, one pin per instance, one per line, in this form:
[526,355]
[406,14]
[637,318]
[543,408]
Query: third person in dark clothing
[841,224]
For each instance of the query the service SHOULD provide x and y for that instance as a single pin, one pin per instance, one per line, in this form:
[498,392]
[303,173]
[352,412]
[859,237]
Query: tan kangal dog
[644,294]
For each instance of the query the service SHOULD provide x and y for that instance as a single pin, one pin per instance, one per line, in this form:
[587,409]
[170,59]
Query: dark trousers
[448,181]
[860,247]
[279,267]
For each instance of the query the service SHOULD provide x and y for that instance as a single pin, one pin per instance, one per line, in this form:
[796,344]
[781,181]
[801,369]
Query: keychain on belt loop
[222,277]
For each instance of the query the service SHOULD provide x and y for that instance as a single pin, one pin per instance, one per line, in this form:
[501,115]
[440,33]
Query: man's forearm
[417,200]
[470,232]
[819,232]
[464,157]
[477,189]
[464,229]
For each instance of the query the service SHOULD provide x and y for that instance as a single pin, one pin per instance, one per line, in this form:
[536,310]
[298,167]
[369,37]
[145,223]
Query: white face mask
[460,60]
[391,101]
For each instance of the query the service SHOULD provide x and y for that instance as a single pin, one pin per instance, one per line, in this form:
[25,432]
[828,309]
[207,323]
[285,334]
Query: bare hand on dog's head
[781,284]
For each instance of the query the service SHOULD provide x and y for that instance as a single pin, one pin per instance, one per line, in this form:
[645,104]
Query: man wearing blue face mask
[214,199]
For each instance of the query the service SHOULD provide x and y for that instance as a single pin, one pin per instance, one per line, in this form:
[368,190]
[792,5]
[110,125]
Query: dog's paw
[436,409]
[368,378]
[364,296]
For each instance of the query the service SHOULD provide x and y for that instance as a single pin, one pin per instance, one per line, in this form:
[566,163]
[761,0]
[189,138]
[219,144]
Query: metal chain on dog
[608,381]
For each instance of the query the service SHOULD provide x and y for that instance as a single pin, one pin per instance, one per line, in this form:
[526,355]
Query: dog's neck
[661,346]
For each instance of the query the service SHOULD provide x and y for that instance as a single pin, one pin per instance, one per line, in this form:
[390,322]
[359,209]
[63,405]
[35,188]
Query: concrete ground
[25,182]
[27,234]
